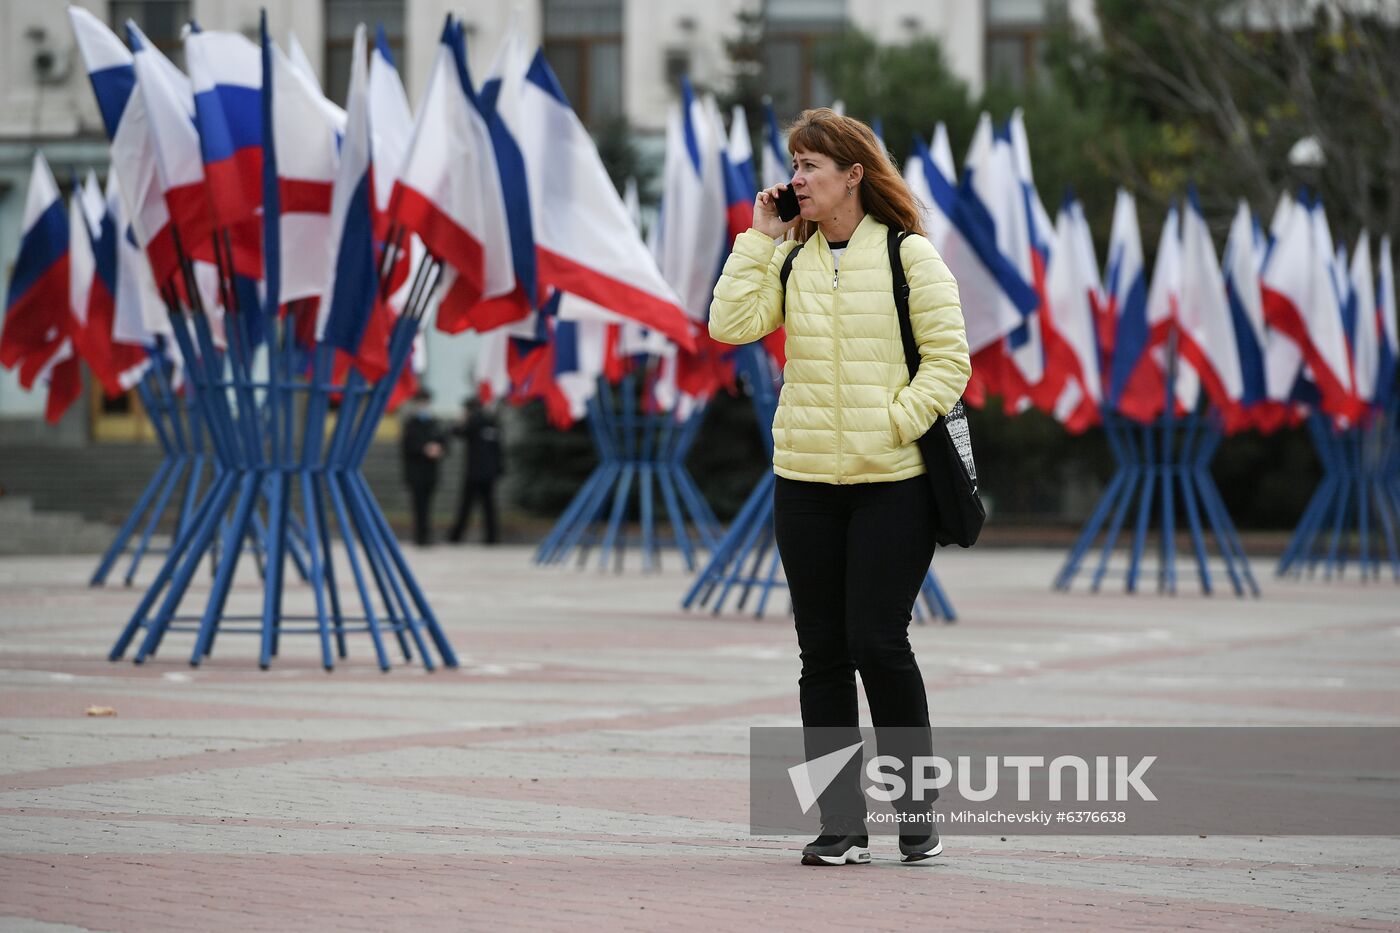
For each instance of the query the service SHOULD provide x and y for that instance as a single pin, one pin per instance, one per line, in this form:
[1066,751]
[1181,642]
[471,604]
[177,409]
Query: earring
[848,191]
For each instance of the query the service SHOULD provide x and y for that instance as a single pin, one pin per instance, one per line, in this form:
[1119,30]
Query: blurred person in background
[482,466]
[422,443]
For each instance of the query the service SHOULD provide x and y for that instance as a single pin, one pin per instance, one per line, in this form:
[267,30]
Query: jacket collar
[869,228]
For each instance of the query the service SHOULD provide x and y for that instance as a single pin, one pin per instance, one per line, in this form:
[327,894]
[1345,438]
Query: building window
[792,32]
[677,67]
[342,16]
[161,20]
[583,42]
[1016,41]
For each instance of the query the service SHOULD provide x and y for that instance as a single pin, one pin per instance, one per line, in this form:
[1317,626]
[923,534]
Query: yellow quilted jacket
[848,412]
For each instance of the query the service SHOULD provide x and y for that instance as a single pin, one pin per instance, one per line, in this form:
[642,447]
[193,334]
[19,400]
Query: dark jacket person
[421,444]
[483,466]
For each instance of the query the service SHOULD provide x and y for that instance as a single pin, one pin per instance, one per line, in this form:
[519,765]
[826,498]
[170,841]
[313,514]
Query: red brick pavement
[716,890]
[493,796]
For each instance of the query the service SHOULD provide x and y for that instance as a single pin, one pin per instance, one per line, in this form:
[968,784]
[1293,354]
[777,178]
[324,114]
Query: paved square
[586,766]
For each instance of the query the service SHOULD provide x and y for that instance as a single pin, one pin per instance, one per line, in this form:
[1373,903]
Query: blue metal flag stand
[182,459]
[1156,463]
[647,450]
[257,463]
[747,557]
[1357,497]
[181,437]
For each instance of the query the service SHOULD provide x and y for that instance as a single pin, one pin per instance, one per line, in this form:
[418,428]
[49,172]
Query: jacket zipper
[836,330]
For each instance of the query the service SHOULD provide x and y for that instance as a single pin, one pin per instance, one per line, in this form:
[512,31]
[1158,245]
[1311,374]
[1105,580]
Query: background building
[615,59]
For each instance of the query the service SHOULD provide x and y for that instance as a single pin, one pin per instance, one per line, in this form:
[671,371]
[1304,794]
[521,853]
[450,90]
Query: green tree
[909,88]
[545,467]
[1236,86]
[744,49]
[618,149]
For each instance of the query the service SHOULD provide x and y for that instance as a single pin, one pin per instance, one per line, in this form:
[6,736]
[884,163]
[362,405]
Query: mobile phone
[788,207]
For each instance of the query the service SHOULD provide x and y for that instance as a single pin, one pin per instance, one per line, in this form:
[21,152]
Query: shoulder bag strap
[901,302]
[787,271]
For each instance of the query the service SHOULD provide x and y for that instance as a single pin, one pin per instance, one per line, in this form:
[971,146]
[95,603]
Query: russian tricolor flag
[226,78]
[36,307]
[226,75]
[111,70]
[170,113]
[38,323]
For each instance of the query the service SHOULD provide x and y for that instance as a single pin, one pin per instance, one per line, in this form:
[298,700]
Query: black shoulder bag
[947,445]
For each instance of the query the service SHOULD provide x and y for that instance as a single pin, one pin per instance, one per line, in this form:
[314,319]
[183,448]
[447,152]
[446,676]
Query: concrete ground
[586,766]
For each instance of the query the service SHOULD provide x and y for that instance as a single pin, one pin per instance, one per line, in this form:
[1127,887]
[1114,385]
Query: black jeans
[855,558]
[422,496]
[472,490]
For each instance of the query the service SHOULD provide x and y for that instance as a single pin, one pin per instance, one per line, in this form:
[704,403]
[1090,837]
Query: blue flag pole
[639,453]
[157,491]
[1358,498]
[251,426]
[744,560]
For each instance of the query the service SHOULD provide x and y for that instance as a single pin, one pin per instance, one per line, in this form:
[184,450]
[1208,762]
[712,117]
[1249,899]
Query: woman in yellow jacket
[852,506]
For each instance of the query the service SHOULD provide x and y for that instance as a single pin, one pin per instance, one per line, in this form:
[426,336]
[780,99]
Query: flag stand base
[1358,497]
[1156,463]
[260,465]
[645,451]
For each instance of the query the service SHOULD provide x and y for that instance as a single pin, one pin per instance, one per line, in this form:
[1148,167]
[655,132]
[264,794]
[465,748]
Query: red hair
[847,142]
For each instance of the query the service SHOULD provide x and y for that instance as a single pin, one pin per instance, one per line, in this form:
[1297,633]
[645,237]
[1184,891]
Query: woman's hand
[765,212]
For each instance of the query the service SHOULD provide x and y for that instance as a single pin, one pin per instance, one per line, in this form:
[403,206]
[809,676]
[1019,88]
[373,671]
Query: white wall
[28,107]
[654,28]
